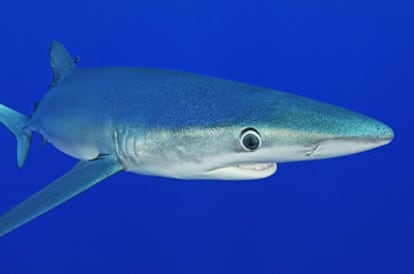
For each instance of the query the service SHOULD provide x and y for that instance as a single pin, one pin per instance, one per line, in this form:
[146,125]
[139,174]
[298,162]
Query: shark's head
[255,134]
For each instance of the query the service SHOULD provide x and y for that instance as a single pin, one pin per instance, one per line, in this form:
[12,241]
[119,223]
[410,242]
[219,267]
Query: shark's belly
[79,150]
[73,138]
[73,132]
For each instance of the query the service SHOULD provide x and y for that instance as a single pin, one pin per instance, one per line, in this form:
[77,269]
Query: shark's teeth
[256,167]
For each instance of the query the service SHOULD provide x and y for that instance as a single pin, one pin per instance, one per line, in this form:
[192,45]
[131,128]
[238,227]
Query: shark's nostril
[311,152]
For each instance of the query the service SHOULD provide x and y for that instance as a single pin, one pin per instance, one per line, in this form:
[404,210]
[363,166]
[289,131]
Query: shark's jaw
[242,171]
[245,171]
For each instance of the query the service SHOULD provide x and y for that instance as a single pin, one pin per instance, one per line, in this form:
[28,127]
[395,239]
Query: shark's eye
[250,140]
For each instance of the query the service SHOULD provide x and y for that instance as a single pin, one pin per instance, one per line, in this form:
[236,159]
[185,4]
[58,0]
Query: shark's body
[175,124]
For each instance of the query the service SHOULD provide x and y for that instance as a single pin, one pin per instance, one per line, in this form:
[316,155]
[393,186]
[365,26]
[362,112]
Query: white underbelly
[81,151]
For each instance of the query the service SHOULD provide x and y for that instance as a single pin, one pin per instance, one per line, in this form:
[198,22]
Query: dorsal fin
[61,62]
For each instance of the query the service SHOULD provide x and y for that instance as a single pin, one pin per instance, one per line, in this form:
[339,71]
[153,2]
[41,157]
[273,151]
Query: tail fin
[15,122]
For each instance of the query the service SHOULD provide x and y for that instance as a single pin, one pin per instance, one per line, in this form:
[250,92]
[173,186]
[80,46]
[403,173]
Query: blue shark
[173,124]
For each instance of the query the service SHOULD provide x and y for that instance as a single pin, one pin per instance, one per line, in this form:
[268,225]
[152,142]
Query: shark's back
[80,114]
[148,97]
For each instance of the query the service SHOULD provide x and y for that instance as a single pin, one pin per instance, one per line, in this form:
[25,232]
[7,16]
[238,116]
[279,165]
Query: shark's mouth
[257,167]
[245,171]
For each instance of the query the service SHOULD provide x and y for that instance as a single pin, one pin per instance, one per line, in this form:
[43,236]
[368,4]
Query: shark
[173,124]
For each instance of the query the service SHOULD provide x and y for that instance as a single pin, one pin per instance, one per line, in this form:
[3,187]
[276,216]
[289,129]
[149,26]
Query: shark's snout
[383,133]
[361,126]
[359,133]
[303,129]
[368,130]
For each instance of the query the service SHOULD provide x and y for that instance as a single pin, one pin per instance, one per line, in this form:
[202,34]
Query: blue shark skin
[174,124]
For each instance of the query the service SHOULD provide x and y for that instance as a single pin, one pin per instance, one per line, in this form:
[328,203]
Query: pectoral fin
[83,176]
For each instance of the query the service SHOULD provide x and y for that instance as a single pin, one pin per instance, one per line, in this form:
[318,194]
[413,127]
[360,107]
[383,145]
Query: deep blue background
[347,215]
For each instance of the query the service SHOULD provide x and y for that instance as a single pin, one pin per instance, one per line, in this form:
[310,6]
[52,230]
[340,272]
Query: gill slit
[117,148]
[135,146]
[128,146]
[125,143]
[121,137]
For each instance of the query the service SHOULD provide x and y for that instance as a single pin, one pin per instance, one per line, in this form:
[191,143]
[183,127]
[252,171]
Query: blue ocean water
[346,215]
